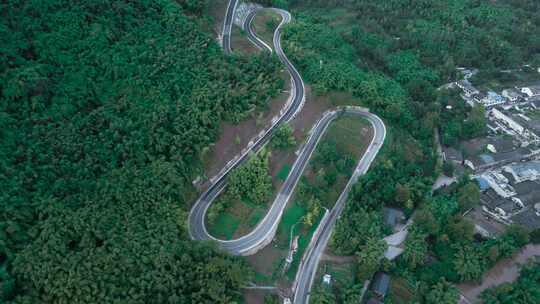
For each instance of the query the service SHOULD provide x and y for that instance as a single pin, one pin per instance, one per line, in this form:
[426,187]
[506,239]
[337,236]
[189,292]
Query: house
[453,155]
[494,204]
[509,122]
[393,218]
[511,94]
[381,284]
[327,279]
[492,99]
[535,104]
[467,88]
[532,91]
[479,97]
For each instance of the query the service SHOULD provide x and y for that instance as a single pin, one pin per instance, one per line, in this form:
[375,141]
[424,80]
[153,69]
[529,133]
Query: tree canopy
[105,109]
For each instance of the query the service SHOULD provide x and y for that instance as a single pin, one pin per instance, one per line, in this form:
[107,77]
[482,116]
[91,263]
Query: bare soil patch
[260,24]
[217,12]
[267,260]
[337,259]
[239,42]
[226,147]
[252,296]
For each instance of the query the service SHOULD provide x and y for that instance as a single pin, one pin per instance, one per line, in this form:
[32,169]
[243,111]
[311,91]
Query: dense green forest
[105,110]
[107,106]
[393,55]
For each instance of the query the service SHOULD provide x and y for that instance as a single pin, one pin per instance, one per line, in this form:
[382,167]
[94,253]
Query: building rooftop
[381,284]
[492,200]
[393,217]
[452,154]
[482,183]
[528,192]
[527,218]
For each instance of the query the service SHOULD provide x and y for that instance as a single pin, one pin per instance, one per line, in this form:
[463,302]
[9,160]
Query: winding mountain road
[263,233]
[266,229]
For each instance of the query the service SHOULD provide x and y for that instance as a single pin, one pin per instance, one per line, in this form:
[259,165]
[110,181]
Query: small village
[505,162]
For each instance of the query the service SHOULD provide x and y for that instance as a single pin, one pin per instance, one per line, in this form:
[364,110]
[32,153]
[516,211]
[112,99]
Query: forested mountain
[105,109]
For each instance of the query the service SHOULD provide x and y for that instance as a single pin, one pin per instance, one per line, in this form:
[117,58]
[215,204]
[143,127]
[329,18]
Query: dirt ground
[338,259]
[265,261]
[261,28]
[225,147]
[504,271]
[217,12]
[239,42]
[252,296]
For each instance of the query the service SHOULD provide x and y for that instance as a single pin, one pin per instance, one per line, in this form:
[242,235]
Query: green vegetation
[458,120]
[523,291]
[105,109]
[369,258]
[244,201]
[442,293]
[305,233]
[284,172]
[342,287]
[328,171]
[322,295]
[224,225]
[283,138]
[107,106]
[498,80]
[392,55]
[292,215]
[333,162]
[441,232]
[252,181]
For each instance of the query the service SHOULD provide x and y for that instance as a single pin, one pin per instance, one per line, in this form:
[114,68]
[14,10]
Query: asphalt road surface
[257,238]
[227,26]
[310,261]
[265,230]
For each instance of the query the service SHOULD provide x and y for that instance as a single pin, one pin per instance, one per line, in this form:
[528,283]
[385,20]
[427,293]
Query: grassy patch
[499,81]
[347,133]
[284,172]
[350,136]
[291,216]
[255,217]
[343,275]
[225,226]
[335,158]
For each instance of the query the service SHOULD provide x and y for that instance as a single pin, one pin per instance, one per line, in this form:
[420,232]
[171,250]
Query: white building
[511,94]
[512,124]
[532,91]
[467,88]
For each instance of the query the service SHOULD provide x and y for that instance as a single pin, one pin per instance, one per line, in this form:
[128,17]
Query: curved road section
[263,233]
[309,263]
[227,26]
